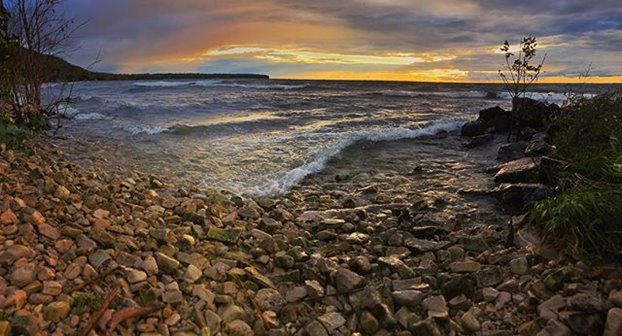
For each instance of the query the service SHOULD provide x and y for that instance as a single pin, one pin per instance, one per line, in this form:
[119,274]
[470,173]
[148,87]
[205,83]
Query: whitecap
[285,181]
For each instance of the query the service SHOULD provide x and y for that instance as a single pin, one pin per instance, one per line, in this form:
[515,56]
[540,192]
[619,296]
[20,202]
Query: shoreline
[345,251]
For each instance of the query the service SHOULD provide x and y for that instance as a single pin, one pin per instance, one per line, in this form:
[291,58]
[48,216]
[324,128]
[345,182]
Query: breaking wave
[284,182]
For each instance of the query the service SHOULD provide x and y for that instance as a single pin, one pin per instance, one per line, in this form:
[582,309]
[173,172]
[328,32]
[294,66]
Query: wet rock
[192,273]
[14,252]
[479,140]
[538,146]
[346,281]
[368,323]
[520,194]
[512,151]
[421,245]
[134,275]
[474,128]
[98,258]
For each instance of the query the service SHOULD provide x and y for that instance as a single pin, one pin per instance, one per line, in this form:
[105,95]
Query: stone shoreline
[127,253]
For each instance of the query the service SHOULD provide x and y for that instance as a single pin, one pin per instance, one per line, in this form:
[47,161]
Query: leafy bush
[586,216]
[14,136]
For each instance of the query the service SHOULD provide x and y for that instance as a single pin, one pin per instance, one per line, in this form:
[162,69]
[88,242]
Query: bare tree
[519,74]
[39,30]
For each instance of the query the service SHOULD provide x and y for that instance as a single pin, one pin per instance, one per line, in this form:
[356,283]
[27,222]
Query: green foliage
[14,136]
[586,216]
[86,302]
[518,74]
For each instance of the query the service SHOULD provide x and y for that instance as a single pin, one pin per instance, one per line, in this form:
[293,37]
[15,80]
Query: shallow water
[265,136]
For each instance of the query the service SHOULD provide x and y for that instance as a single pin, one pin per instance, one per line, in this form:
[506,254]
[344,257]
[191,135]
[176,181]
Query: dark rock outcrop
[520,194]
[494,119]
[521,170]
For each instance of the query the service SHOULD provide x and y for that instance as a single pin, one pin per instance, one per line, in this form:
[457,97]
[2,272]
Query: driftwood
[128,313]
[99,313]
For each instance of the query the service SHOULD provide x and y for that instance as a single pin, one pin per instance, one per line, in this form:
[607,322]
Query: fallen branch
[97,278]
[129,313]
[98,315]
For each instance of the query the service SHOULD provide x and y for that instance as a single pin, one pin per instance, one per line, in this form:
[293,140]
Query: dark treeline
[59,70]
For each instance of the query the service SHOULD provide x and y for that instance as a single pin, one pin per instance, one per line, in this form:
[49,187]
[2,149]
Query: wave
[284,183]
[211,83]
[144,129]
[90,116]
[551,97]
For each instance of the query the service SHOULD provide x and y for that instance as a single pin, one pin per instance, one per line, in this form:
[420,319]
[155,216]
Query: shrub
[586,216]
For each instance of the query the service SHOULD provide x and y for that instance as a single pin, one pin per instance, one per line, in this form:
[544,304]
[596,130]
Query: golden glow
[317,57]
[434,75]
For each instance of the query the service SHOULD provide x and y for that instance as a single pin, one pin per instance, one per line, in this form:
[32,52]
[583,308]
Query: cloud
[291,38]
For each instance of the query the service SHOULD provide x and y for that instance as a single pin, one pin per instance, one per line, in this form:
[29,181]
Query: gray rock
[555,328]
[511,151]
[316,328]
[521,170]
[520,194]
[465,266]
[587,302]
[269,299]
[436,307]
[519,266]
[346,281]
[426,327]
[550,308]
[98,258]
[409,297]
[474,128]
[332,321]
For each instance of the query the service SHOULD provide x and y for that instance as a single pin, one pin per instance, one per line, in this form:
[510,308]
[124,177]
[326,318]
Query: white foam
[212,83]
[284,183]
[90,116]
[140,129]
[163,83]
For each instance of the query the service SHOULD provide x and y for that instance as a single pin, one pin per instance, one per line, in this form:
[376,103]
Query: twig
[97,278]
[129,313]
[98,315]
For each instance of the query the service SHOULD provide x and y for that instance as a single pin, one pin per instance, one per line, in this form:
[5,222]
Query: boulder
[521,170]
[511,151]
[474,128]
[479,140]
[520,194]
[538,146]
[533,113]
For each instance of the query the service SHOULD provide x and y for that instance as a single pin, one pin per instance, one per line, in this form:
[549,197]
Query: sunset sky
[418,40]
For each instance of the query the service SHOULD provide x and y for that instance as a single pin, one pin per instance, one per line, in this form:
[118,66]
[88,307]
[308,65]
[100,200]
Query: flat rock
[346,281]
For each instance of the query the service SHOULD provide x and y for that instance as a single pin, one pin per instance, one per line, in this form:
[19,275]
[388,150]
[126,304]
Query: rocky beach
[406,237]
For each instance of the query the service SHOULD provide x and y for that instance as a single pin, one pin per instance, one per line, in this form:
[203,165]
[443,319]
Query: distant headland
[63,71]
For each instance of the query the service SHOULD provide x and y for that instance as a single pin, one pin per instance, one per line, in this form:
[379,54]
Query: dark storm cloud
[157,32]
